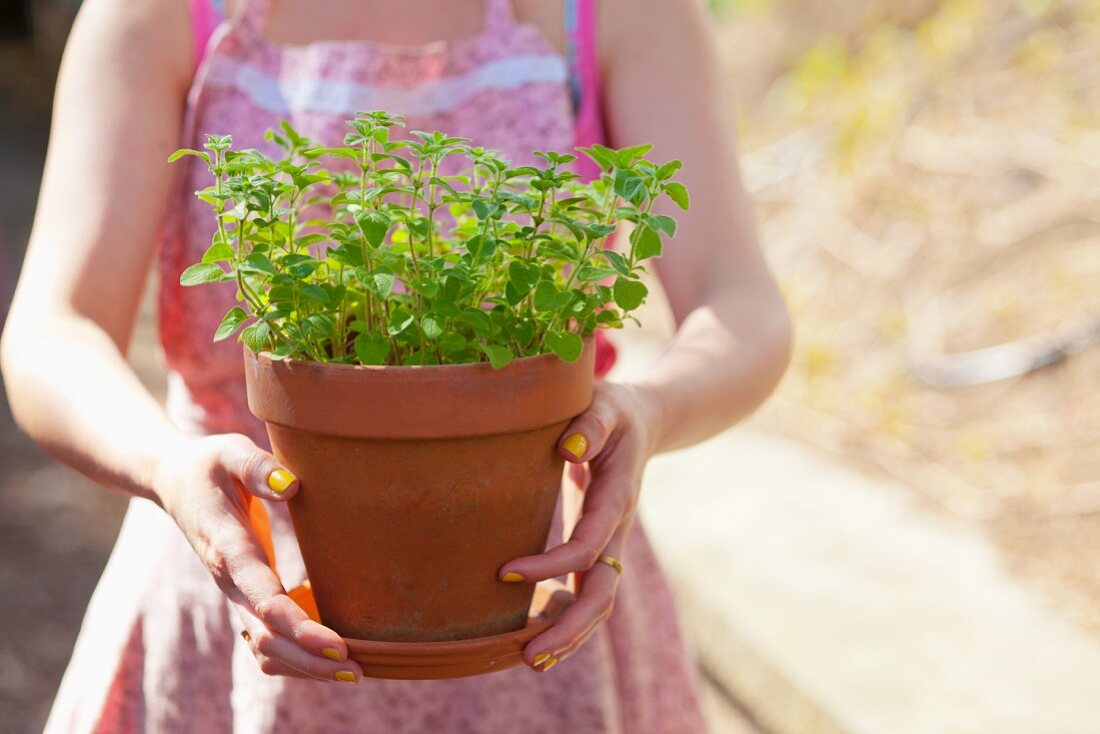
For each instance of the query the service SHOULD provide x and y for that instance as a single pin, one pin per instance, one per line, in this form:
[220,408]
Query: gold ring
[613,562]
[245,635]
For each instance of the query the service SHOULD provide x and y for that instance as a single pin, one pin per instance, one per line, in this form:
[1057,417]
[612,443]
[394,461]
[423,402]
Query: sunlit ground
[928,182]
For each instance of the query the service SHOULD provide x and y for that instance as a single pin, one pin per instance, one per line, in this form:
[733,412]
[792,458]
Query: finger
[277,655]
[240,568]
[579,474]
[258,471]
[595,601]
[587,434]
[607,501]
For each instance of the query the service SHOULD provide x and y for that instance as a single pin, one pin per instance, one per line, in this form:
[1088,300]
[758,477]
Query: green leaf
[522,332]
[477,319]
[230,323]
[546,296]
[315,293]
[661,223]
[381,283]
[606,158]
[202,273]
[320,325]
[565,344]
[255,336]
[187,151]
[257,263]
[452,343]
[522,275]
[432,326]
[425,287]
[572,225]
[633,153]
[629,294]
[609,316]
[373,225]
[348,254]
[647,243]
[596,231]
[480,247]
[401,318]
[498,356]
[440,182]
[420,358]
[589,273]
[678,193]
[372,347]
[512,294]
[667,170]
[309,239]
[622,267]
[308,179]
[219,252]
[282,350]
[631,188]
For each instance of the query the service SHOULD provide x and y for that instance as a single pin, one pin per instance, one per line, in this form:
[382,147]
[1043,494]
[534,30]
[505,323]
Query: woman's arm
[117,113]
[663,86]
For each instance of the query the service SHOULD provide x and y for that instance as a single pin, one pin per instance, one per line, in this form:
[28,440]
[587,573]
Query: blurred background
[910,532]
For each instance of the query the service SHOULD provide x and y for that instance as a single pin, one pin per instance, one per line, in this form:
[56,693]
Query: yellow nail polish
[280,480]
[331,653]
[576,444]
[512,577]
[345,675]
[549,664]
[540,658]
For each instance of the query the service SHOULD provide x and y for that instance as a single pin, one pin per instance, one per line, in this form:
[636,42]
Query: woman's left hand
[615,437]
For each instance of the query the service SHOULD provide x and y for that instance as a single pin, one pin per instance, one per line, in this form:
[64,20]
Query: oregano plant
[369,254]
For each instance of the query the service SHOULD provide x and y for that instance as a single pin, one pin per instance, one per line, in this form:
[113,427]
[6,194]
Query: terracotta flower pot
[418,483]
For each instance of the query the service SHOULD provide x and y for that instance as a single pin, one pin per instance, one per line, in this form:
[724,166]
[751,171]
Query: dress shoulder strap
[205,16]
[584,65]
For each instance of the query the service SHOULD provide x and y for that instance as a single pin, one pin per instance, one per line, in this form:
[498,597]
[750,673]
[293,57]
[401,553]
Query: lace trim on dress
[331,96]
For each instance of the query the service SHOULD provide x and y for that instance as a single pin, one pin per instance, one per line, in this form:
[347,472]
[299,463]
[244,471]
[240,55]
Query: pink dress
[159,649]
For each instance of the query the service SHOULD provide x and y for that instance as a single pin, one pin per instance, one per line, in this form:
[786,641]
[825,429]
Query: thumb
[586,435]
[258,471]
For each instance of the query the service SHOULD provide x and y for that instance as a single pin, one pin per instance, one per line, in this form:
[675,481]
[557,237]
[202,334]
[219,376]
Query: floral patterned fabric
[159,649]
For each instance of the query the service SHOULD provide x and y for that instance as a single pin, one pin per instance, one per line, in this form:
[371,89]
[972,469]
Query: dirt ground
[928,183]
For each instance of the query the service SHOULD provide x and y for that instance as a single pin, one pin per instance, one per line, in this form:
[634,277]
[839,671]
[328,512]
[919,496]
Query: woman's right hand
[200,485]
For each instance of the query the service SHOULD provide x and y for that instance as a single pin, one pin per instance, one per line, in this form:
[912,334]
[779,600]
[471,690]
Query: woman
[173,634]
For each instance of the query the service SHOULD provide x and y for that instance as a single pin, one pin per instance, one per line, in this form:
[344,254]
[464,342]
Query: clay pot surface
[418,483]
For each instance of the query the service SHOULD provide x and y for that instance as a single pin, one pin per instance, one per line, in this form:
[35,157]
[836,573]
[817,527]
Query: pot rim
[419,401]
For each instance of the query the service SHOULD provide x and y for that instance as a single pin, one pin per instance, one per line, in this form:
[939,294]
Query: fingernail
[331,653]
[279,480]
[540,658]
[549,664]
[512,577]
[346,676]
[576,444]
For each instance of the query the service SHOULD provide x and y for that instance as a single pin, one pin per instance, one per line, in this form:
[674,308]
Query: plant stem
[364,167]
[589,250]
